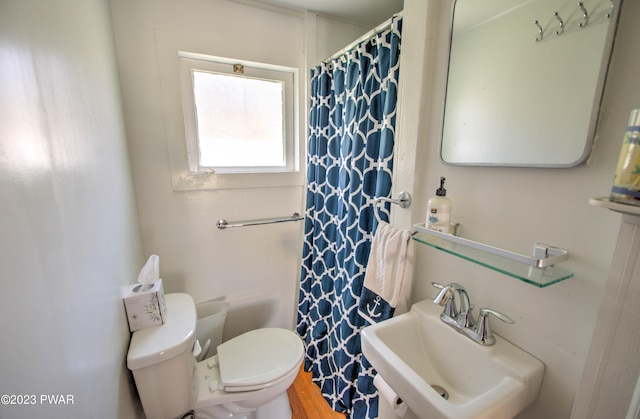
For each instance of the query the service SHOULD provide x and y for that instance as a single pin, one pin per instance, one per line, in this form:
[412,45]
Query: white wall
[70,235]
[329,37]
[514,207]
[256,268]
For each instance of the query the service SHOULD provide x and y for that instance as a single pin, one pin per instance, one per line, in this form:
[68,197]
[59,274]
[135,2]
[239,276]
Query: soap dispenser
[439,210]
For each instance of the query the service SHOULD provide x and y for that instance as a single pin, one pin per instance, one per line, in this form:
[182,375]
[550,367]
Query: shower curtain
[350,162]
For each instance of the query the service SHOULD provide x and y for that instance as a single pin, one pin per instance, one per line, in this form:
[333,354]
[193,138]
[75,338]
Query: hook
[557,16]
[585,15]
[540,31]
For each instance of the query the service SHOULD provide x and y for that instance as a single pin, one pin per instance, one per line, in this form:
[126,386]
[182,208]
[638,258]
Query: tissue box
[145,308]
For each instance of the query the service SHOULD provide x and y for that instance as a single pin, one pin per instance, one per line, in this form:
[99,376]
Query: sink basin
[421,358]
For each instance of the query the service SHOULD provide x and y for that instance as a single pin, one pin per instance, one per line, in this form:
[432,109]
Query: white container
[439,210]
[626,184]
[210,326]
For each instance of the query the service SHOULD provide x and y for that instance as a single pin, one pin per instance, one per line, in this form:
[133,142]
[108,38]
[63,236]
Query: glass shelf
[539,270]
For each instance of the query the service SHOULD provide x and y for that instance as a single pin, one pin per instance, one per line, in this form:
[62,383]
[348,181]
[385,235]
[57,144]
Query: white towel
[389,276]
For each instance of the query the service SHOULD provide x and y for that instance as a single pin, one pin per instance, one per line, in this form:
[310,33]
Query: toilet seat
[258,366]
[256,359]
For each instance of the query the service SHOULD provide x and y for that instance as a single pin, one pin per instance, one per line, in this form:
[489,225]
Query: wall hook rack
[540,31]
[585,15]
[610,12]
[561,22]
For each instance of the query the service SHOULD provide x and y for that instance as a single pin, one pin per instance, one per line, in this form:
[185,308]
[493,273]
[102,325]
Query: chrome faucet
[462,319]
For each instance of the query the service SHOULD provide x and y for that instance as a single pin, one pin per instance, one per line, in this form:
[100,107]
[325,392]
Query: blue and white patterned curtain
[350,162]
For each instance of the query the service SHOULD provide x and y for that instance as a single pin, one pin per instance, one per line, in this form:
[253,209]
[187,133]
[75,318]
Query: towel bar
[222,223]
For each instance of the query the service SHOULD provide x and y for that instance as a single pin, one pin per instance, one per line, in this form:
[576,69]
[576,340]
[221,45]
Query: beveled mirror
[525,81]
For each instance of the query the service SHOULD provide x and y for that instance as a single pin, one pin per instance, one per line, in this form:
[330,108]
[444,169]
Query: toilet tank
[162,362]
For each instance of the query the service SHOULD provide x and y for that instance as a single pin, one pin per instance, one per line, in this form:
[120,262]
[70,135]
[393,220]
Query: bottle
[439,210]
[626,183]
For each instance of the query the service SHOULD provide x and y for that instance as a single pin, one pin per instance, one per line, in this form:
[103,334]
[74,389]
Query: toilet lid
[258,357]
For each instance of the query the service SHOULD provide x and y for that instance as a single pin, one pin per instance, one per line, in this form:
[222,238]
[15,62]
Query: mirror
[525,81]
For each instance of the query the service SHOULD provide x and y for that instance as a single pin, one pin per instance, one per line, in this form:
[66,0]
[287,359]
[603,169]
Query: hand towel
[389,275]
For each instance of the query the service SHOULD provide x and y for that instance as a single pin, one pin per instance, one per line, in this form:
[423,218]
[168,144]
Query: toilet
[247,379]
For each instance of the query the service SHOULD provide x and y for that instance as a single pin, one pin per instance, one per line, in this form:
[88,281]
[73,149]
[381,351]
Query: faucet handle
[483,326]
[446,299]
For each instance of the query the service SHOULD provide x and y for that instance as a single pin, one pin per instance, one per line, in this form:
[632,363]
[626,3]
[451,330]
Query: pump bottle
[439,210]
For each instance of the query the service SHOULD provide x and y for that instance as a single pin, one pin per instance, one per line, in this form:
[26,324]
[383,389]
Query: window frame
[170,114]
[190,62]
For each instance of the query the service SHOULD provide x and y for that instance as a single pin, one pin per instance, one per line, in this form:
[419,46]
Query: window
[239,116]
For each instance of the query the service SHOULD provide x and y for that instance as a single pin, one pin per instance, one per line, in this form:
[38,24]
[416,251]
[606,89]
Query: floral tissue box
[145,307]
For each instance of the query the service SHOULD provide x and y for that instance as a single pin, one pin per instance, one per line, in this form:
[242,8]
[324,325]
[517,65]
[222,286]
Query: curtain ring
[557,16]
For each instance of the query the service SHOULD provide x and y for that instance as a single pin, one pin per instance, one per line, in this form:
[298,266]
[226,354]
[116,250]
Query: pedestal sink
[442,374]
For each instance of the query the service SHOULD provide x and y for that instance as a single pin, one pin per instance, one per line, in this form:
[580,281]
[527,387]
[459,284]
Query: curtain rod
[373,32]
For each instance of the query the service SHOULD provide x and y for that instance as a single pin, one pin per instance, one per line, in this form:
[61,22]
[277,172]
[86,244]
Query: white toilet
[247,379]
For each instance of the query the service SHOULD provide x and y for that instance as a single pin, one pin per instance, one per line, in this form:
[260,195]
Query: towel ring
[403,201]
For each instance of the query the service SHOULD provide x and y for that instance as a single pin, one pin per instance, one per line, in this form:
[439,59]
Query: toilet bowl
[247,379]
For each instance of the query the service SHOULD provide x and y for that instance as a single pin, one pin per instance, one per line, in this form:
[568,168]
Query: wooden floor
[307,401]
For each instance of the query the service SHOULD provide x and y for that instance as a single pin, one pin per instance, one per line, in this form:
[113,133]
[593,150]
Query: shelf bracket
[545,255]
